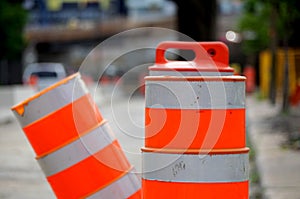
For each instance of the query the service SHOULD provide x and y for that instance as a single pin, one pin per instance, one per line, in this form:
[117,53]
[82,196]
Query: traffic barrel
[249,73]
[74,145]
[213,57]
[195,141]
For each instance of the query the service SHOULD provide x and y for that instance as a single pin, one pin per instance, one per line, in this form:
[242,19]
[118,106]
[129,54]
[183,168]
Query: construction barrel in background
[195,140]
[265,65]
[74,145]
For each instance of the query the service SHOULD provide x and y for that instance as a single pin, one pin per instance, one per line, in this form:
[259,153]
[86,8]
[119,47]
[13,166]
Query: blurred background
[262,36]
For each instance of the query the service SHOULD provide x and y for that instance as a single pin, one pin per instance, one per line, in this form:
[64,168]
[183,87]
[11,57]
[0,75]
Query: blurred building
[44,12]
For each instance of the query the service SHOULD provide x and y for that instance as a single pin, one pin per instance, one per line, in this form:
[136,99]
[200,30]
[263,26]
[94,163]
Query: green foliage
[255,33]
[254,26]
[12,22]
[258,18]
[288,13]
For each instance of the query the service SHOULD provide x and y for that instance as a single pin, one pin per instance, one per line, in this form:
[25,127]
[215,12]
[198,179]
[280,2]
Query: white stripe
[52,100]
[195,168]
[77,151]
[187,73]
[195,94]
[122,188]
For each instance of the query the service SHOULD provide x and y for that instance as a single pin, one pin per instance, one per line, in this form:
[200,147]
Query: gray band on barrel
[124,187]
[195,168]
[52,100]
[77,151]
[195,94]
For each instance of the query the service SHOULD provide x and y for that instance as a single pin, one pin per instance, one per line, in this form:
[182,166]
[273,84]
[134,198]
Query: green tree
[254,27]
[12,22]
[270,22]
[288,11]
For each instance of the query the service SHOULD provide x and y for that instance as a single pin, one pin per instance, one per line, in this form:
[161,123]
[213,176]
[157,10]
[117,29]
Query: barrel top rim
[42,92]
[233,78]
[188,69]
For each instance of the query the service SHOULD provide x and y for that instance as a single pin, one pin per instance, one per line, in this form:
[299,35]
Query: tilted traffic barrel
[195,141]
[74,145]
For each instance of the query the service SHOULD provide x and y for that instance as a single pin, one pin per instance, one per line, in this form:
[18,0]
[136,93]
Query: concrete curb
[278,168]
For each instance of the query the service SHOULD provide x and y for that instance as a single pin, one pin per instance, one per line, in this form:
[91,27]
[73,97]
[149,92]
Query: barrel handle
[217,51]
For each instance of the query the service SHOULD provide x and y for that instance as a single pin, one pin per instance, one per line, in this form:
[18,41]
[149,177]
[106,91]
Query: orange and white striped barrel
[195,174]
[195,141]
[211,58]
[202,121]
[75,146]
[195,112]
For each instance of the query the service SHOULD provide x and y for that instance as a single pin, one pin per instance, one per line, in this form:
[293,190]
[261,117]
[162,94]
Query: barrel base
[229,190]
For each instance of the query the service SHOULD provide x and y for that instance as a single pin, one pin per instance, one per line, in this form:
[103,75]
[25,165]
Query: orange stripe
[136,195]
[90,175]
[62,126]
[188,129]
[156,189]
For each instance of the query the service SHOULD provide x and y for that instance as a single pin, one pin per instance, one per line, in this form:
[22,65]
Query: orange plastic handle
[218,51]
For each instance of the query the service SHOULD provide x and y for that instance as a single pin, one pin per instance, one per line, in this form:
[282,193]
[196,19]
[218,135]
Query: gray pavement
[20,175]
[278,167]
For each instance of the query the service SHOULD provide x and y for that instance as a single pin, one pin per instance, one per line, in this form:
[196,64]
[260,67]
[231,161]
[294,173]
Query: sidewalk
[278,167]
